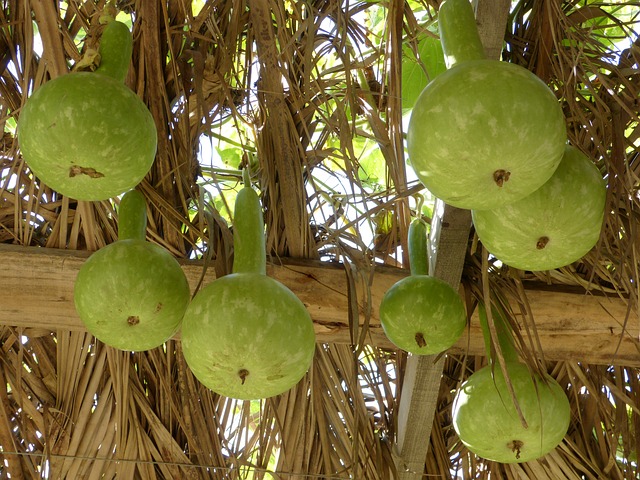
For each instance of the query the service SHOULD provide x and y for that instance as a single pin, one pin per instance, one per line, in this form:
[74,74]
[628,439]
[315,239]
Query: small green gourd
[422,314]
[131,294]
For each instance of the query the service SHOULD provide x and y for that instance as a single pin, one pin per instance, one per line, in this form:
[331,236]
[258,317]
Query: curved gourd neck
[504,336]
[132,216]
[116,46]
[459,33]
[417,247]
[248,231]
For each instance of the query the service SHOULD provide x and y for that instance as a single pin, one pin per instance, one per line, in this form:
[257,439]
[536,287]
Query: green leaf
[231,157]
[418,71]
[372,169]
[383,221]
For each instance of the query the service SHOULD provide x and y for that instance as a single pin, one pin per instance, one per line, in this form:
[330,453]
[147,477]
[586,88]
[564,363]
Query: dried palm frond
[307,96]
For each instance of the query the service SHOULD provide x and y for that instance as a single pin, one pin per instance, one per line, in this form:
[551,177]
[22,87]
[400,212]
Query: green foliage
[418,70]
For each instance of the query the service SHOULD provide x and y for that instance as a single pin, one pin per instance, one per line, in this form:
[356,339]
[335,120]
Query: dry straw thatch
[310,92]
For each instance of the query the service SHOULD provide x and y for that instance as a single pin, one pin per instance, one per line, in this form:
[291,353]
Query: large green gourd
[422,314]
[485,133]
[131,294]
[86,134]
[553,226]
[484,414]
[246,335]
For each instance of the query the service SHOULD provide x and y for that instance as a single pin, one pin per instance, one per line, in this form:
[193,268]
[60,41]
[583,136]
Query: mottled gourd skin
[247,336]
[87,136]
[487,422]
[481,117]
[131,295]
[422,315]
[552,227]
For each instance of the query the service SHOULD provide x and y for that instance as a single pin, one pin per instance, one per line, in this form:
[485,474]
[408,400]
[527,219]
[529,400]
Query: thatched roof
[309,96]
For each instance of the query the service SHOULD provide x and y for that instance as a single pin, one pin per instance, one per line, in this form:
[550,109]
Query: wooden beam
[449,240]
[36,292]
[450,235]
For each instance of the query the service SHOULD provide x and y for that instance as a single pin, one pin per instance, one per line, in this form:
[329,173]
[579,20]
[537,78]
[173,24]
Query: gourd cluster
[489,136]
[88,136]
[485,135]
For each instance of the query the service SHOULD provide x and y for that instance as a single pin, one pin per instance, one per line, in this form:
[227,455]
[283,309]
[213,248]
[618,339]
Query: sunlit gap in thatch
[341,211]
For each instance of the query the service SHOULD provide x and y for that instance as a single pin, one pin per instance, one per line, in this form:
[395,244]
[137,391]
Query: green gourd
[131,294]
[484,414]
[484,133]
[86,134]
[553,226]
[246,335]
[422,314]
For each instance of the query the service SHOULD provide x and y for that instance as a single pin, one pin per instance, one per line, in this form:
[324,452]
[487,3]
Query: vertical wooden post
[449,240]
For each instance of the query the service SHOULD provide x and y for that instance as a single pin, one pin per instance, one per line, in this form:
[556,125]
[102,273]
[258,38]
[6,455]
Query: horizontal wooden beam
[36,292]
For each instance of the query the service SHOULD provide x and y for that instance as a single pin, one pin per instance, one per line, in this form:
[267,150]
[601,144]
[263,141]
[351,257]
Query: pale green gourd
[131,294]
[86,134]
[485,133]
[555,225]
[246,335]
[484,414]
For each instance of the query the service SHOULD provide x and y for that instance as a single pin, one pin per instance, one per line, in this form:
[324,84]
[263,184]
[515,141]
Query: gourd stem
[459,33]
[248,232]
[108,13]
[246,177]
[417,243]
[132,216]
[505,338]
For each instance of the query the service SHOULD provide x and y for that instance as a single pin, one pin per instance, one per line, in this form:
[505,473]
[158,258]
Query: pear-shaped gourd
[422,314]
[86,134]
[485,417]
[553,226]
[485,133]
[131,294]
[246,335]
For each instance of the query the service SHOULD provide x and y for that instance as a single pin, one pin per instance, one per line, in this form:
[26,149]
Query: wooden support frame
[449,240]
[36,293]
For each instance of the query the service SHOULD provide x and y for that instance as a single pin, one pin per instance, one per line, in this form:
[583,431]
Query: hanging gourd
[422,314]
[131,294]
[246,335]
[553,226]
[86,134]
[485,416]
[485,133]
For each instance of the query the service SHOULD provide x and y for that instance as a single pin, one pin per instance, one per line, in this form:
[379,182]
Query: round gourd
[485,133]
[246,335]
[131,294]
[485,417]
[487,422]
[422,314]
[85,134]
[552,227]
